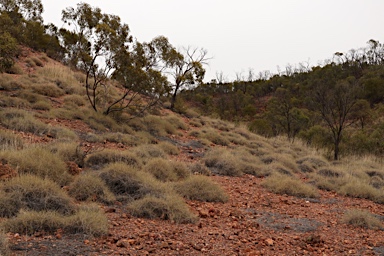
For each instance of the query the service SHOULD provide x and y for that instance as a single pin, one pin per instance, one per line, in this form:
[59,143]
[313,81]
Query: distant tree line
[337,105]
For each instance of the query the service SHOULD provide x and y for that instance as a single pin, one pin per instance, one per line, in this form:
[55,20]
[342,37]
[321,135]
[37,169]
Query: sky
[245,35]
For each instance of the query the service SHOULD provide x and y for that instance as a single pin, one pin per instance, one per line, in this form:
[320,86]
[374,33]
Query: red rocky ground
[253,222]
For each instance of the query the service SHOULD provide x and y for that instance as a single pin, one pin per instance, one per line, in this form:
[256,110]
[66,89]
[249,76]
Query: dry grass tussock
[87,220]
[170,207]
[201,188]
[128,183]
[283,184]
[362,219]
[48,165]
[166,170]
[29,192]
[89,187]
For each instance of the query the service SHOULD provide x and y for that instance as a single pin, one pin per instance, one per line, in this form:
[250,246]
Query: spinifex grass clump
[89,187]
[283,184]
[362,219]
[38,161]
[129,183]
[29,192]
[165,170]
[168,207]
[201,188]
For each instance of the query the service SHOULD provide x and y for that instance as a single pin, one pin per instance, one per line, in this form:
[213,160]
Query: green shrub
[283,184]
[222,162]
[201,188]
[101,158]
[165,170]
[362,219]
[37,194]
[89,220]
[127,183]
[118,137]
[9,205]
[88,187]
[170,207]
[38,161]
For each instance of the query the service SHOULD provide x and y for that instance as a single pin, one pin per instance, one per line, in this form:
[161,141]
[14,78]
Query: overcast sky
[247,34]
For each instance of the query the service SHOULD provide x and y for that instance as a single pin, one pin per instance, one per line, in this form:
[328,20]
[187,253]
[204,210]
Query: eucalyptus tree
[101,45]
[336,102]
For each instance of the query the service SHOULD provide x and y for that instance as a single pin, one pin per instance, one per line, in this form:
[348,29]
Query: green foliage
[201,188]
[8,51]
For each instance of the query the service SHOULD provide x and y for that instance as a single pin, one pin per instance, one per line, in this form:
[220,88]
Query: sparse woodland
[100,134]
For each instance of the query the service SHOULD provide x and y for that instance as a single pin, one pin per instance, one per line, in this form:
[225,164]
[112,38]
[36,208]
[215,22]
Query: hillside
[77,182]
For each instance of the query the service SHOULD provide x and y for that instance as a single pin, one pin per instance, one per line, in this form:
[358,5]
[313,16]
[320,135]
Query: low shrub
[201,188]
[283,184]
[88,187]
[38,161]
[170,207]
[362,219]
[37,194]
